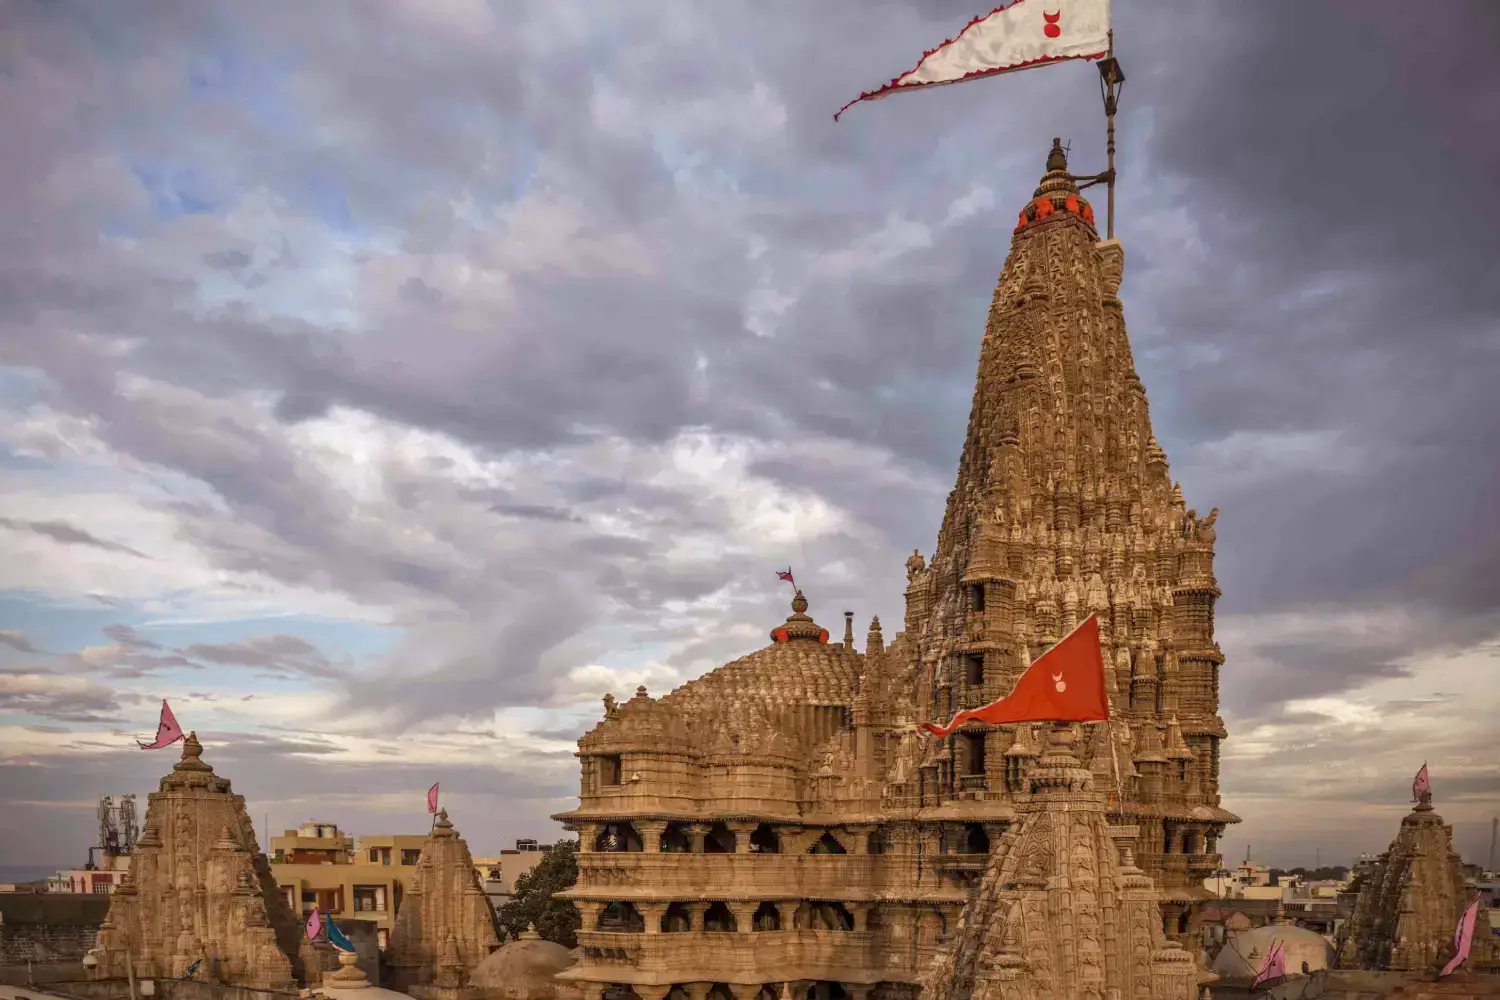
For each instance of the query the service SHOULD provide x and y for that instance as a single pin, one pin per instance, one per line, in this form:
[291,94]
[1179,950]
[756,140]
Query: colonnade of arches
[724,918]
[798,990]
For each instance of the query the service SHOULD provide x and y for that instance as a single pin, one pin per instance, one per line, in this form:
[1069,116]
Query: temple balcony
[724,876]
[839,956]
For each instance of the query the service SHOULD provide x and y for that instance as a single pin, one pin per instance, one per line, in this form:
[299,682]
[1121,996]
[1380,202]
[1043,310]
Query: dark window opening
[829,917]
[718,919]
[976,597]
[1166,842]
[617,838]
[974,744]
[610,770]
[622,918]
[767,917]
[975,841]
[674,840]
[764,840]
[676,920]
[719,840]
[974,669]
[1182,923]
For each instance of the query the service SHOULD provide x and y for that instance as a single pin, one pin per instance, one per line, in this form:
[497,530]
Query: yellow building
[498,873]
[320,865]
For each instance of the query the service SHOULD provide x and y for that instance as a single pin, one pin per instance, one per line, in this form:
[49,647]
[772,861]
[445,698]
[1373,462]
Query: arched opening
[1190,843]
[1182,922]
[829,916]
[622,918]
[618,838]
[677,993]
[975,840]
[1166,842]
[767,992]
[767,917]
[879,841]
[827,844]
[720,991]
[675,840]
[677,919]
[718,919]
[719,840]
[764,840]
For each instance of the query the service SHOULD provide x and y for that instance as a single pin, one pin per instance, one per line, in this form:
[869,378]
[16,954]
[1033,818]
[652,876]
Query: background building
[499,872]
[319,865]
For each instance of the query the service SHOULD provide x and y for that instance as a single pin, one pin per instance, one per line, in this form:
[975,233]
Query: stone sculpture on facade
[199,890]
[777,825]
[1410,900]
[445,926]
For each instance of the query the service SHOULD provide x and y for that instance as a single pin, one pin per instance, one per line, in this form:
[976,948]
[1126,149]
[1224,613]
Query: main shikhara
[788,795]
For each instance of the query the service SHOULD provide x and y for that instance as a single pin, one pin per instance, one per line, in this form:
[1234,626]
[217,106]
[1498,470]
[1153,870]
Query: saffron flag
[1420,785]
[314,924]
[786,575]
[1274,966]
[1463,939]
[167,730]
[432,798]
[1019,34]
[337,939]
[1065,684]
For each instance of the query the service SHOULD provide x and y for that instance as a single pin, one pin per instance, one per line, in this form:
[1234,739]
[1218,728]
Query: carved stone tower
[1064,507]
[1062,910]
[199,890]
[1410,901]
[445,926]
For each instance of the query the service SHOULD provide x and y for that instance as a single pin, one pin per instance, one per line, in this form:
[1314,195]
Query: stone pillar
[650,831]
[588,835]
[589,911]
[742,832]
[744,991]
[652,913]
[698,991]
[695,918]
[698,832]
[861,835]
[650,991]
[592,991]
[744,915]
[861,914]
[858,991]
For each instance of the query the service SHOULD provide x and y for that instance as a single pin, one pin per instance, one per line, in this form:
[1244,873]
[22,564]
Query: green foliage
[533,903]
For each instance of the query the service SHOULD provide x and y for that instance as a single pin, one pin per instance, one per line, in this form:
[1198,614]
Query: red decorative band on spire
[1042,209]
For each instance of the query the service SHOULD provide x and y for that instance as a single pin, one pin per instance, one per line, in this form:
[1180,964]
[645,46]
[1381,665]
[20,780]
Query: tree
[533,902]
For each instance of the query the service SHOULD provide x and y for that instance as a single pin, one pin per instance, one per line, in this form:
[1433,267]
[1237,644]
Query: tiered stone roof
[200,889]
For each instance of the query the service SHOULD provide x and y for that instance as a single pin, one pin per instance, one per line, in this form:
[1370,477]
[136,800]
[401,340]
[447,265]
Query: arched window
[674,840]
[719,840]
[765,840]
[827,844]
[622,918]
[975,841]
[618,838]
[767,917]
[718,918]
[677,919]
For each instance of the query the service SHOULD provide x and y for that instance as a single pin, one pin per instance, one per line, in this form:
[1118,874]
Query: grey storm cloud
[1305,200]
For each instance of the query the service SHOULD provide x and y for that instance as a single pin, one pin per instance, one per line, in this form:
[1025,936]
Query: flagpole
[1110,80]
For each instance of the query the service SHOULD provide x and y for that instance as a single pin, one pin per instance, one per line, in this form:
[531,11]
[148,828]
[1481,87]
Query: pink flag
[167,730]
[314,924]
[1274,966]
[1420,785]
[1463,939]
[786,575]
[432,798]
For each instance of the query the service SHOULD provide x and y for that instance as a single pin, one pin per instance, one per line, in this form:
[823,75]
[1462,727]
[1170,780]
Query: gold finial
[1057,159]
[192,755]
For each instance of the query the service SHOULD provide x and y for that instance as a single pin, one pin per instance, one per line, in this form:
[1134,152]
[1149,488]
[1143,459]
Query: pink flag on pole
[1463,939]
[432,798]
[314,924]
[167,730]
[1274,966]
[787,576]
[1420,785]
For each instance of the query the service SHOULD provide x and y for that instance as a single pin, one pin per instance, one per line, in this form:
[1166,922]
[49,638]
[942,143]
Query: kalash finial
[1057,159]
[192,755]
[798,625]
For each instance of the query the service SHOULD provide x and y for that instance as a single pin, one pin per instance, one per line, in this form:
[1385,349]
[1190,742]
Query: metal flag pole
[1111,81]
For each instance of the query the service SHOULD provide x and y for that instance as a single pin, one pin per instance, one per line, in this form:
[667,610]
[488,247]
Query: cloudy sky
[385,381]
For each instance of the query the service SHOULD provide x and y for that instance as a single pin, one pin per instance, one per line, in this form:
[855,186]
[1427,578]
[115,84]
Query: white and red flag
[1421,785]
[1463,939]
[432,798]
[1017,35]
[167,730]
[1064,684]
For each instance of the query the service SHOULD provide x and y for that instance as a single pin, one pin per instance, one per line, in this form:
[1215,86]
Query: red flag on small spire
[786,575]
[1421,785]
[432,798]
[167,730]
[1065,684]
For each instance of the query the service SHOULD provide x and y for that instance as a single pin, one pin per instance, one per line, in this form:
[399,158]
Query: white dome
[1242,955]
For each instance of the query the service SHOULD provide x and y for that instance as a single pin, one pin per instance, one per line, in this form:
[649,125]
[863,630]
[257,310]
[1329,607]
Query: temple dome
[524,968]
[1241,956]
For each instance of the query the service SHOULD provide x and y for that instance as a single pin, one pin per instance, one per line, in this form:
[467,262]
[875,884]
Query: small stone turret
[445,926]
[199,890]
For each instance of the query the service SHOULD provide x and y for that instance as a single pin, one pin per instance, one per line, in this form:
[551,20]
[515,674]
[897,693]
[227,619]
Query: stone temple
[1409,902]
[778,826]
